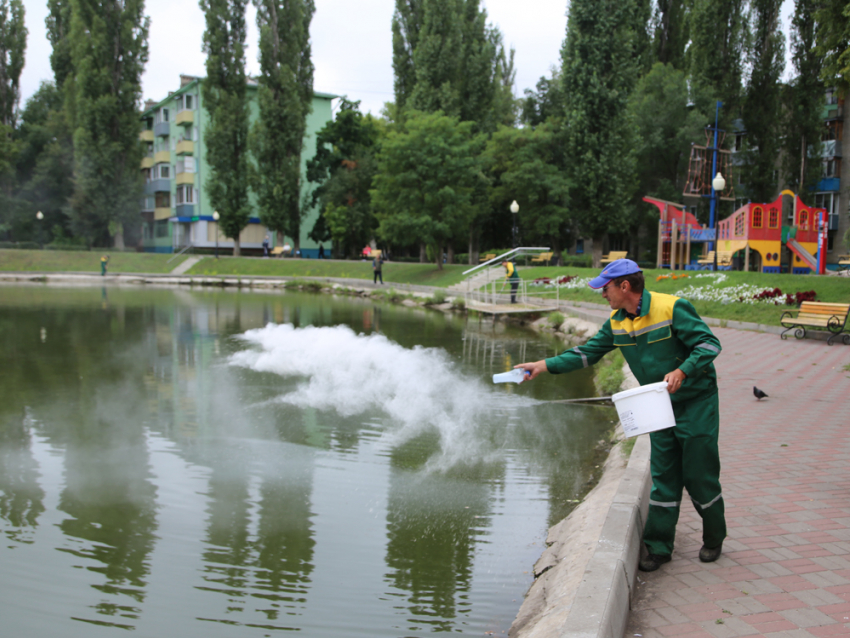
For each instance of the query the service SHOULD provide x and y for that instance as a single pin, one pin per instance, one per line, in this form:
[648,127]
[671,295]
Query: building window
[163,171]
[804,219]
[162,115]
[757,216]
[163,199]
[832,96]
[829,168]
[161,228]
[739,141]
[185,194]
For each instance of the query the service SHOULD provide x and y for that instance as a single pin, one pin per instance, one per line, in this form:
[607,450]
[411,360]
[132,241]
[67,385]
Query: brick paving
[785,567]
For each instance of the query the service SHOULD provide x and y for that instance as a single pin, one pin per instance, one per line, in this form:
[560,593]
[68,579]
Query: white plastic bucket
[645,409]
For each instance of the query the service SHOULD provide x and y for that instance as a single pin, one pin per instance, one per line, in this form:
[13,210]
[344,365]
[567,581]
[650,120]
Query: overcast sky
[351,40]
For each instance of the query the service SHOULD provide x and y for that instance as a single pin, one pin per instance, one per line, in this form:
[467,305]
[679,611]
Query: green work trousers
[686,456]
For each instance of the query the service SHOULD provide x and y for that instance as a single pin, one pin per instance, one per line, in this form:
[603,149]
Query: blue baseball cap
[618,268]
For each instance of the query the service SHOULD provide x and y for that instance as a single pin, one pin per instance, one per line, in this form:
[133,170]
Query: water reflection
[378,485]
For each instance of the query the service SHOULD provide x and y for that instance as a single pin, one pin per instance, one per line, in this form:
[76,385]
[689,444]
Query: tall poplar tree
[762,107]
[670,32]
[599,69]
[406,25]
[13,44]
[833,42]
[225,97]
[437,59]
[58,23]
[285,97]
[109,50]
[718,31]
[802,104]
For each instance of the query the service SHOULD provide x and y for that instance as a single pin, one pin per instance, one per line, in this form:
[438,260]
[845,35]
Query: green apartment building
[176,210]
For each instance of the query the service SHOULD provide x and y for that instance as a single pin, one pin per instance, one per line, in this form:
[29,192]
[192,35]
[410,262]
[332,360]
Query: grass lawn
[725,292]
[83,261]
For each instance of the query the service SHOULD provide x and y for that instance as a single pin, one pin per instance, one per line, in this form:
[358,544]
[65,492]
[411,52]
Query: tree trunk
[118,238]
[597,250]
[423,253]
[473,247]
[451,254]
[236,248]
[556,251]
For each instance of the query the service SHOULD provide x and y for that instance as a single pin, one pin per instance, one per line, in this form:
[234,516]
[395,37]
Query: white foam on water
[354,374]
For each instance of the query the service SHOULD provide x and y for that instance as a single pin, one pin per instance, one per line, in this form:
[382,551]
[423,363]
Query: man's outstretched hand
[533,369]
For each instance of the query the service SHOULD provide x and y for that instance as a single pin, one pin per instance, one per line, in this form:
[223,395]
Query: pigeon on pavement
[759,394]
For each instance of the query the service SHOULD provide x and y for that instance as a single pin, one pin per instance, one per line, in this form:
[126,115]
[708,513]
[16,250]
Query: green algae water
[175,462]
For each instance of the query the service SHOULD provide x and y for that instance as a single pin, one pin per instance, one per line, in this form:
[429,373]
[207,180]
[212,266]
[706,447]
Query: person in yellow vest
[103,261]
[663,339]
[513,278]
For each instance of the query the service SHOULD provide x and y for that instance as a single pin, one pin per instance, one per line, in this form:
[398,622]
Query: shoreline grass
[827,288]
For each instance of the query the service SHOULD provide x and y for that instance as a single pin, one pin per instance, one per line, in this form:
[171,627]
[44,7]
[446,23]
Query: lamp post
[514,211]
[215,217]
[40,216]
[718,185]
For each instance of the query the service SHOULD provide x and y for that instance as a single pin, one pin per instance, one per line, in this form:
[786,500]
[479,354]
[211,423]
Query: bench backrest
[617,254]
[822,308]
[543,257]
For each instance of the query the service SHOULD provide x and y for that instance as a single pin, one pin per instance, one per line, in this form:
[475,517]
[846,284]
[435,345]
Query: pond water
[232,464]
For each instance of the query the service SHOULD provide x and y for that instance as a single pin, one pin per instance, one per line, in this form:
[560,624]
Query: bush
[609,373]
[437,298]
[70,247]
[459,303]
[555,319]
[20,245]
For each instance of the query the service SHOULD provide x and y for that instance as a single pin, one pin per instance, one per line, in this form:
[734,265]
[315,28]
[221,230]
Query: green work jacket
[668,334]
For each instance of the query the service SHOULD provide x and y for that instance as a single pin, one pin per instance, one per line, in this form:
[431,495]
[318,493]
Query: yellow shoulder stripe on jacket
[660,314]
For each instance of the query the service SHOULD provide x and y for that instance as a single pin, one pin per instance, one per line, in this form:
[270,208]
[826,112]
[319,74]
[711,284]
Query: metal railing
[516,252]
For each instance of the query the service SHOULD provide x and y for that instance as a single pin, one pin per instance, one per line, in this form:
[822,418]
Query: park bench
[843,262]
[542,258]
[818,316]
[277,251]
[614,255]
[724,258]
[486,257]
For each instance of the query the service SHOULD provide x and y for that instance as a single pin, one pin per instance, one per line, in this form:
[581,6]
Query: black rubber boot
[652,562]
[709,555]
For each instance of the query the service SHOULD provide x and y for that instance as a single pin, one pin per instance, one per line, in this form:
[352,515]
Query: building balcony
[162,129]
[185,178]
[185,147]
[185,210]
[162,157]
[158,186]
[147,162]
[828,184]
[146,135]
[831,148]
[162,213]
[185,118]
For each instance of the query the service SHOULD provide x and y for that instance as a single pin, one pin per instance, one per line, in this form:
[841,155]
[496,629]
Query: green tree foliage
[13,44]
[437,58]
[285,97]
[344,167]
[428,171]
[525,165]
[108,53]
[803,98]
[544,103]
[43,180]
[762,102]
[406,25]
[58,23]
[670,32]
[599,68]
[718,31]
[225,97]
[833,42]
[666,126]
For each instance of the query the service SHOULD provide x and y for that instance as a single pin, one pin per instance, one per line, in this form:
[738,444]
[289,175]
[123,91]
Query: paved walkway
[785,568]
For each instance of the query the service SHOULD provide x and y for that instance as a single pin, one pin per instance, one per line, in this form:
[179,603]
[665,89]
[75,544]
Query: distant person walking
[513,277]
[321,251]
[266,246]
[103,261]
[377,262]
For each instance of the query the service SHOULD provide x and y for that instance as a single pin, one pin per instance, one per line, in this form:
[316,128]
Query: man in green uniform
[663,339]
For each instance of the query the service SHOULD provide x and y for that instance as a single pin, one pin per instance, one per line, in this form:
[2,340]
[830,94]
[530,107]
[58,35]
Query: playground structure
[754,229]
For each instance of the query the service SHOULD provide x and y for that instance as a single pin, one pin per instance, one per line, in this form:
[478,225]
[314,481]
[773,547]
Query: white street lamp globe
[216,215]
[514,207]
[718,183]
[39,215]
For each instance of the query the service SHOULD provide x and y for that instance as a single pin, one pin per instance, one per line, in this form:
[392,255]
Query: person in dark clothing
[377,262]
[513,277]
[321,251]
